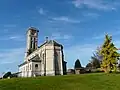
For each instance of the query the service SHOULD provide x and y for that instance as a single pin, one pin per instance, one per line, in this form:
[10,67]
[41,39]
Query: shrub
[6,75]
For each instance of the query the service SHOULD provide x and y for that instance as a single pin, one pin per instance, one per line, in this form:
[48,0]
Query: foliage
[110,55]
[6,75]
[97,54]
[95,62]
[77,64]
[118,67]
[95,59]
[89,65]
[13,76]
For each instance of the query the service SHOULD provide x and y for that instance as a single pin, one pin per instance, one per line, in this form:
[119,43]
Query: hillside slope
[73,82]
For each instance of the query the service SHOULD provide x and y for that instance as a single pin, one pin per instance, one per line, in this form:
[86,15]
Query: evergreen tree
[110,55]
[77,64]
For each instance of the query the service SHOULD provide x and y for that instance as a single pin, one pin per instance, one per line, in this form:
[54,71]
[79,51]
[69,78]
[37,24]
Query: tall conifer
[110,55]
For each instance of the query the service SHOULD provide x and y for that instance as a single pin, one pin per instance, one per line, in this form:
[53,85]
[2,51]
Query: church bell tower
[32,40]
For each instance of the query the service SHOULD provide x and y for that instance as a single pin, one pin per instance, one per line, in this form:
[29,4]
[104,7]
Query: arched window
[36,65]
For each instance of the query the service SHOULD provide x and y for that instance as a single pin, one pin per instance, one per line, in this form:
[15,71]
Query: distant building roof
[79,68]
[70,70]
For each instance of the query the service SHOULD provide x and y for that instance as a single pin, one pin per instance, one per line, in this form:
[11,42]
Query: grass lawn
[72,82]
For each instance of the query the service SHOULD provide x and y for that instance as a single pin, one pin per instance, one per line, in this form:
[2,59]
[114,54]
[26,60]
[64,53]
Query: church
[44,60]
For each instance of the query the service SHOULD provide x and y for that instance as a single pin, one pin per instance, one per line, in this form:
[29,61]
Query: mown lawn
[73,82]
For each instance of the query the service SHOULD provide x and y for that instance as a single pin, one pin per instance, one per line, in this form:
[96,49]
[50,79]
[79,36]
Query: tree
[95,62]
[118,67]
[6,75]
[95,59]
[77,64]
[89,65]
[97,54]
[110,55]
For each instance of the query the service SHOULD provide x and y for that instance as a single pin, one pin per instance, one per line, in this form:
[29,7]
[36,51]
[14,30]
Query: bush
[97,71]
[6,75]
[13,75]
[88,71]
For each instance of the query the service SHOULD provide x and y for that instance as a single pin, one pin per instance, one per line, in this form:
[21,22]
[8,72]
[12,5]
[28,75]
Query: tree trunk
[106,70]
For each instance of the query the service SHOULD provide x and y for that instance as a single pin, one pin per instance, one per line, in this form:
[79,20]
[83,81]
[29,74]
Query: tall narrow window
[30,66]
[43,57]
[31,43]
[26,68]
[34,43]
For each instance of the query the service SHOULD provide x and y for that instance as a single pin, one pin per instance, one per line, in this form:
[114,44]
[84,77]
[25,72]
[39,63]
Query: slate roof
[34,59]
[51,42]
[22,64]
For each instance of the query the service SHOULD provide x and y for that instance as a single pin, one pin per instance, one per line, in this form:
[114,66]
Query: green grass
[72,82]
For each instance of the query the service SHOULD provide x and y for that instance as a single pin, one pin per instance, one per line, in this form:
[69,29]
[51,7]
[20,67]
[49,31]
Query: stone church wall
[50,60]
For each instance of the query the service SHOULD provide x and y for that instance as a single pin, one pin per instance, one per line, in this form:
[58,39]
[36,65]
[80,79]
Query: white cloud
[66,19]
[10,25]
[42,11]
[7,62]
[10,59]
[15,38]
[101,36]
[11,55]
[82,52]
[117,43]
[96,4]
[91,15]
[60,36]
